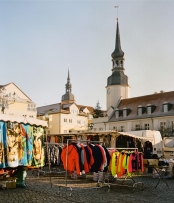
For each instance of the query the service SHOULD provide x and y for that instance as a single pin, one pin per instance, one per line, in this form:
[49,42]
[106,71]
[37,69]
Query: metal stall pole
[66,162]
[49,164]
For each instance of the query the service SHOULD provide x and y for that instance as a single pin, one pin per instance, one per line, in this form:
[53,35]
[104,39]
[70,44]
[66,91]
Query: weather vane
[117,11]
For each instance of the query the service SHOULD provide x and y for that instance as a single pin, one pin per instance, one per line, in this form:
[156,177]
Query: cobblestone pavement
[40,190]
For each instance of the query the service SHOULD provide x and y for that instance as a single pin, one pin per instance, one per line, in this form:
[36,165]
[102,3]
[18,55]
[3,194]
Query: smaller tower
[68,96]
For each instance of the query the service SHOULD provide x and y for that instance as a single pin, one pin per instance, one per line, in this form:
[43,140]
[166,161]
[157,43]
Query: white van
[168,147]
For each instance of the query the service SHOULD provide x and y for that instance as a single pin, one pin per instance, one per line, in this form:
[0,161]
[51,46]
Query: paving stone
[40,190]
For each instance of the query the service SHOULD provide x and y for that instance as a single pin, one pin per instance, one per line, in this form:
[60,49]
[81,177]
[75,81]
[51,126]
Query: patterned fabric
[19,146]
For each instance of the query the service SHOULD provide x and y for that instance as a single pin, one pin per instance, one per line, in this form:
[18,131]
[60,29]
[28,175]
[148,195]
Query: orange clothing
[72,159]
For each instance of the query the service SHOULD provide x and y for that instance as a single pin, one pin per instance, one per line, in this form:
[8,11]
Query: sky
[39,38]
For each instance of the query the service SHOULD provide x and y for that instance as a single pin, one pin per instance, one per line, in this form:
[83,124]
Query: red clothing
[91,158]
[72,159]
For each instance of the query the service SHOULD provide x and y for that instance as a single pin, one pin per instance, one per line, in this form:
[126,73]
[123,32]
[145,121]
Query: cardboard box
[8,182]
[150,162]
[153,162]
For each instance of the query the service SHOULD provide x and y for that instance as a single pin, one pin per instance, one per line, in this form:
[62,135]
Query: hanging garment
[38,147]
[89,157]
[104,160]
[115,163]
[72,159]
[85,164]
[97,158]
[108,157]
[3,145]
[12,149]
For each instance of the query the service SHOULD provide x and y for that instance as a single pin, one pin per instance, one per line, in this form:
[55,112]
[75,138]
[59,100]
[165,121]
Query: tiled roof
[91,109]
[53,108]
[57,108]
[156,99]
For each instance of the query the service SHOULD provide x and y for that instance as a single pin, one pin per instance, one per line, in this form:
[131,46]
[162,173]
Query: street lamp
[5,99]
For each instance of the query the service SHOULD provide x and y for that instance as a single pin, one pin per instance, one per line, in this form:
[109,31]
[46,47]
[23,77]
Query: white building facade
[13,101]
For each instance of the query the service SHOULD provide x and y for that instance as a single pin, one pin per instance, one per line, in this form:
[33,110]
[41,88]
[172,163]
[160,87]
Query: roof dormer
[166,106]
[141,110]
[150,108]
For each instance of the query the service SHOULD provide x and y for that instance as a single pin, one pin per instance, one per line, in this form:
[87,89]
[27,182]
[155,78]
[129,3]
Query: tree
[97,111]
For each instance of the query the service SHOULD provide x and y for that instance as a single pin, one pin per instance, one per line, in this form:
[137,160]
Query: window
[115,128]
[70,131]
[163,126]
[137,127]
[139,111]
[172,125]
[146,126]
[70,120]
[124,112]
[169,142]
[100,129]
[149,110]
[95,129]
[65,131]
[116,114]
[122,129]
[165,107]
[31,107]
[65,120]
[78,121]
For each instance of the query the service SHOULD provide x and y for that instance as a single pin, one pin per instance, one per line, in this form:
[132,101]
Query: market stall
[21,147]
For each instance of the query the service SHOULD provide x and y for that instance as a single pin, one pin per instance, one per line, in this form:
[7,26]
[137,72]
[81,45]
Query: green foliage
[97,111]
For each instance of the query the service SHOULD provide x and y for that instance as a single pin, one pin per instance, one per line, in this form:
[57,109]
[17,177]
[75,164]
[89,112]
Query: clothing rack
[49,164]
[76,141]
[135,183]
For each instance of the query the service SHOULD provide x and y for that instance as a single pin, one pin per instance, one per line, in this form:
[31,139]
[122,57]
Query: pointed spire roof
[118,51]
[68,96]
[68,84]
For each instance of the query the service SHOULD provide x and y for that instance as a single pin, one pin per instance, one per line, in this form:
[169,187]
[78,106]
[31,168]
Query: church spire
[118,51]
[68,96]
[68,84]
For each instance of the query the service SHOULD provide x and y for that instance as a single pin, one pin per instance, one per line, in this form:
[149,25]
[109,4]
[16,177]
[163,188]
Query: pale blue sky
[38,39]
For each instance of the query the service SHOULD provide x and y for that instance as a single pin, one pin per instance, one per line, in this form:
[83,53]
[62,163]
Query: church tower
[117,84]
[68,97]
